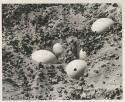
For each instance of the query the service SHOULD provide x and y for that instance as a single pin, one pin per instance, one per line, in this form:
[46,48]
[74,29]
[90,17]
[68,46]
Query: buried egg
[57,49]
[82,54]
[102,24]
[76,68]
[44,56]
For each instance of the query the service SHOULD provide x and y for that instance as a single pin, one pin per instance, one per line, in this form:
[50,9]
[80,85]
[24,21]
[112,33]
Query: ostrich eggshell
[44,56]
[76,68]
[102,24]
[57,49]
[82,54]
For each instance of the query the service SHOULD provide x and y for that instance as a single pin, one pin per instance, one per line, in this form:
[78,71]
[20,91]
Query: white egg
[58,49]
[44,56]
[102,24]
[82,54]
[76,68]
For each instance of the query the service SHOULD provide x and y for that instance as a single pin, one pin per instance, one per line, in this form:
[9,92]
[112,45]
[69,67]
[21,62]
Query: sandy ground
[27,28]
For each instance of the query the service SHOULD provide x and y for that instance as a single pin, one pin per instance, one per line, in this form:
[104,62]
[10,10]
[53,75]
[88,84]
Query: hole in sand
[75,69]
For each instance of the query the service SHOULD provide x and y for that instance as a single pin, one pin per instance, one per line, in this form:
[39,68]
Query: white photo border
[122,2]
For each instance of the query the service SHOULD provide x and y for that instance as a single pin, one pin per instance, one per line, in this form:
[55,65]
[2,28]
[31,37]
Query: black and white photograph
[62,51]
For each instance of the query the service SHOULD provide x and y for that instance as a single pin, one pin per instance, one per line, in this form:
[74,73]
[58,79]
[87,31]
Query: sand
[27,28]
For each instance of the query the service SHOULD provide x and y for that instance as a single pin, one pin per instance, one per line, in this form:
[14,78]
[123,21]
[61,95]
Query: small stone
[103,82]
[117,57]
[92,85]
[104,65]
[83,95]
[54,81]
[115,5]
[85,74]
[96,71]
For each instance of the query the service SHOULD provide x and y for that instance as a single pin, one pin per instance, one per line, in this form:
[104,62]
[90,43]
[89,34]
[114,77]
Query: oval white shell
[76,68]
[57,49]
[44,56]
[82,54]
[101,24]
